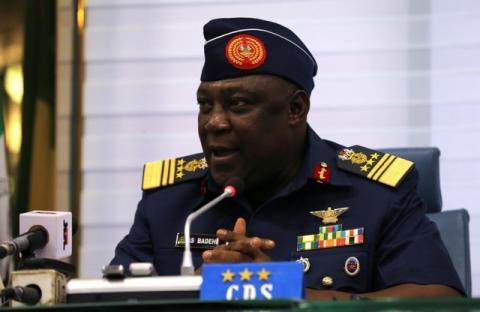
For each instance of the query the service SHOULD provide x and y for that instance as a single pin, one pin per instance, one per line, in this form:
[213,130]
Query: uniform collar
[318,151]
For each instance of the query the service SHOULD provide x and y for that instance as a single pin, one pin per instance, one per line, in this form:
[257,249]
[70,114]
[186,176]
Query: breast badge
[352,266]
[305,262]
[329,215]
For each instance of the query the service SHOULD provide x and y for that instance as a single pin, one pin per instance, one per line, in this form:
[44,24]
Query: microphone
[233,187]
[46,234]
[29,295]
[35,238]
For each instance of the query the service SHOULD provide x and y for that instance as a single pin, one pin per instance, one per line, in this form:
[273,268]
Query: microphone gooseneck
[233,187]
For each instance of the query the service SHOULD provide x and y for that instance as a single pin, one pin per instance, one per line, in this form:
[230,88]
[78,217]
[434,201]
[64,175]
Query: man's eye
[238,102]
[204,105]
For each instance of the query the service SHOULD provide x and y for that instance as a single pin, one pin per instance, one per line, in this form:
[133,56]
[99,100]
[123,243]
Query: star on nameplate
[330,215]
[263,275]
[228,276]
[245,275]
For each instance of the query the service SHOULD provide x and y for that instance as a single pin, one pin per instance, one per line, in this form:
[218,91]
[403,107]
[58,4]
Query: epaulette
[374,165]
[171,171]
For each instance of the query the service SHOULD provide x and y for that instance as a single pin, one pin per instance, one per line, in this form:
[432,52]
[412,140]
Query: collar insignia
[321,172]
[330,215]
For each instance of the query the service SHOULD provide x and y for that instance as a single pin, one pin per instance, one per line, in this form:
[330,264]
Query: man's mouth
[222,153]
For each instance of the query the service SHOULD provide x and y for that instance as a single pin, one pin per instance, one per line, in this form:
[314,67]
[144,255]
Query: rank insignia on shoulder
[374,165]
[166,172]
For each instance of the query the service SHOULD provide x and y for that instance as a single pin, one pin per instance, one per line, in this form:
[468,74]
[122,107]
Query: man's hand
[239,248]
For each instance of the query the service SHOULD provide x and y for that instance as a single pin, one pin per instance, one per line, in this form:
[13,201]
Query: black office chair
[452,224]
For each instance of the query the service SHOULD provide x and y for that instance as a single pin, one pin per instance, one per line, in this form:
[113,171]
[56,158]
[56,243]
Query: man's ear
[298,108]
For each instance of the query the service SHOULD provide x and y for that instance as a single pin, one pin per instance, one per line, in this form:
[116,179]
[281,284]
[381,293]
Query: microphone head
[57,225]
[234,186]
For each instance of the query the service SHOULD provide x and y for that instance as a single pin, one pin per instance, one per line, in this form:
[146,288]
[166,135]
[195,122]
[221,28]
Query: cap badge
[352,266]
[330,215]
[245,52]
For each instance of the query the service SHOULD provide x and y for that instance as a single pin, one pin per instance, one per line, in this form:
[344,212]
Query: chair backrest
[458,245]
[452,224]
[427,162]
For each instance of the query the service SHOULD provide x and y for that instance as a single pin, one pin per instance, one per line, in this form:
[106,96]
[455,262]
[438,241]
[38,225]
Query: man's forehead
[245,83]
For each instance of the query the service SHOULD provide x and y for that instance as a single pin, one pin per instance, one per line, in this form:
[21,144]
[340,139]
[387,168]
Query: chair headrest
[427,162]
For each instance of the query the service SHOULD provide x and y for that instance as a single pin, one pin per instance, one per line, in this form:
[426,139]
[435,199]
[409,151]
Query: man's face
[243,127]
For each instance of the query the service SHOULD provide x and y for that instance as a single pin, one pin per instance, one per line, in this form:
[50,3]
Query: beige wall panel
[64,90]
[64,34]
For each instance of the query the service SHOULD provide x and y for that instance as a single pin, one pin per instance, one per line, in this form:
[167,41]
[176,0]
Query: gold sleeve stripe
[151,174]
[378,165]
[396,171]
[384,167]
[171,177]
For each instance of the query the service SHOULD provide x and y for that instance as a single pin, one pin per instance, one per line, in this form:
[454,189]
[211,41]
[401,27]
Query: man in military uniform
[350,215]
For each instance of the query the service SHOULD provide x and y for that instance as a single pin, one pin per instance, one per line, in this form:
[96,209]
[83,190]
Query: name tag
[198,241]
[252,281]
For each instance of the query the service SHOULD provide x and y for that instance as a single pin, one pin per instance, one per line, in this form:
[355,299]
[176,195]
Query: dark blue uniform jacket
[401,245]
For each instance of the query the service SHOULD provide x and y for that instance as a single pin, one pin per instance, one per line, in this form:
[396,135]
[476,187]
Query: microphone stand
[187,262]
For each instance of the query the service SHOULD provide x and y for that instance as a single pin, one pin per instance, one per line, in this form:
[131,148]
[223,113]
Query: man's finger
[240,226]
[245,247]
[239,231]
[261,243]
[233,238]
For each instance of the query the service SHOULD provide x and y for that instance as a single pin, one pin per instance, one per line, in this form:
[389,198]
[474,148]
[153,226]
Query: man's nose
[218,120]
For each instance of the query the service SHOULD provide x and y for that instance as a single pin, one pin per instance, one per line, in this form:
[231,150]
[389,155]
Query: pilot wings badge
[330,215]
